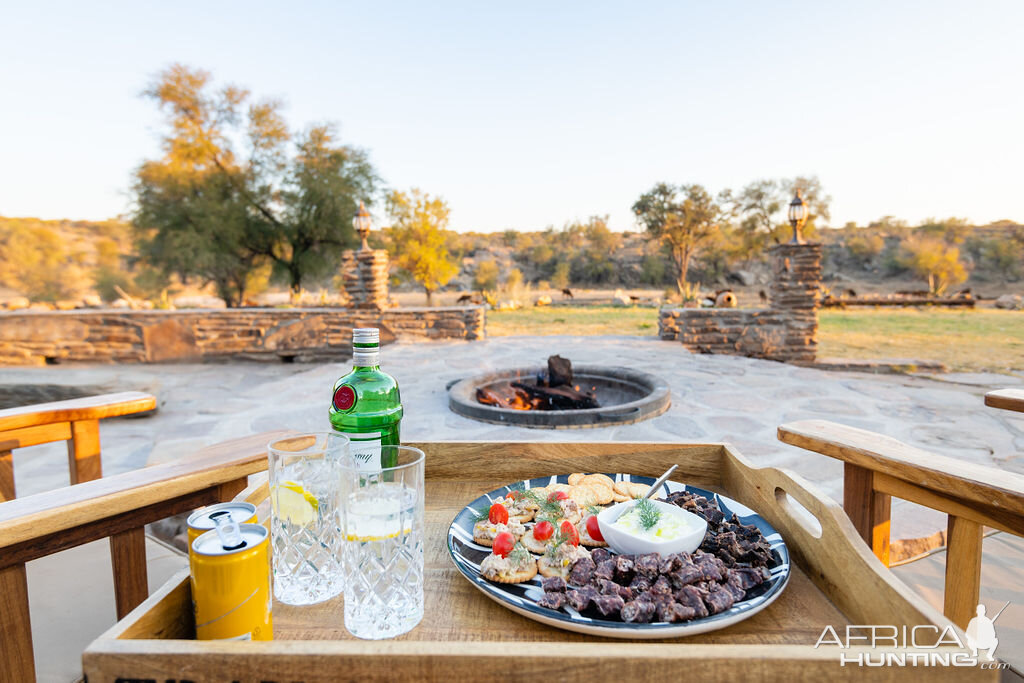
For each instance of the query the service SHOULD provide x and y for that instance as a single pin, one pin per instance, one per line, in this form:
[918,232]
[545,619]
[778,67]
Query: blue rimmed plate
[522,597]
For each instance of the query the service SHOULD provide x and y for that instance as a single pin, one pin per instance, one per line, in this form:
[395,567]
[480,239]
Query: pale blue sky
[538,113]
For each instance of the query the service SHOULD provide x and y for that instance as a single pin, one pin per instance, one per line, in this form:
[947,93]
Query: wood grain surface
[1007,399]
[835,579]
[964,480]
[88,408]
[32,517]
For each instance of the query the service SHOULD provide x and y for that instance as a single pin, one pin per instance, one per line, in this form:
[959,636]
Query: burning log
[506,396]
[552,390]
[559,371]
[558,398]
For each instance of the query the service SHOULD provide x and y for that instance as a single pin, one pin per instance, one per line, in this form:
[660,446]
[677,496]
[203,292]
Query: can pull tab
[228,531]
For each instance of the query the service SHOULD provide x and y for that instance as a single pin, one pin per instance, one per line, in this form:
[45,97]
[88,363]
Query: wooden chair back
[75,421]
[117,507]
[877,467]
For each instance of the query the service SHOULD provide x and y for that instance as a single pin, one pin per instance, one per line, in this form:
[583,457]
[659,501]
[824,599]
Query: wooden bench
[75,421]
[877,467]
[117,507]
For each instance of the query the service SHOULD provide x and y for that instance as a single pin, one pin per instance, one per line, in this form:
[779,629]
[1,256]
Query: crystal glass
[382,524]
[305,536]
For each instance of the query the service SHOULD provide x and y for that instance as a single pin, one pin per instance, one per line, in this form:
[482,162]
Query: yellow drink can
[231,594]
[201,521]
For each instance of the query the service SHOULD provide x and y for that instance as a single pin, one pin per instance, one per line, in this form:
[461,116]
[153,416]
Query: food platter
[523,598]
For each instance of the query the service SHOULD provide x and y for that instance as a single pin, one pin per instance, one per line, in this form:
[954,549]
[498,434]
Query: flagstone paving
[714,398]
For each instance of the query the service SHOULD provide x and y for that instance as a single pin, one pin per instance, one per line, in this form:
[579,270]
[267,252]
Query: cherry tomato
[594,529]
[570,533]
[498,514]
[514,494]
[503,544]
[557,495]
[542,531]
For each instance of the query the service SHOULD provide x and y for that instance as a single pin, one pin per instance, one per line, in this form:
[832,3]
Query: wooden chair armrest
[74,410]
[987,486]
[27,524]
[1007,399]
[877,467]
[117,507]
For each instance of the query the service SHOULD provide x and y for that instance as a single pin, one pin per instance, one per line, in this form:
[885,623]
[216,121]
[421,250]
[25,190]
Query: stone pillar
[365,274]
[796,291]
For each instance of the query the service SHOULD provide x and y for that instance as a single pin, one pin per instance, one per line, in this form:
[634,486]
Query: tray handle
[828,548]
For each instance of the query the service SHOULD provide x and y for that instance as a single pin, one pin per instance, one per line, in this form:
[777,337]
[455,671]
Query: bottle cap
[366,336]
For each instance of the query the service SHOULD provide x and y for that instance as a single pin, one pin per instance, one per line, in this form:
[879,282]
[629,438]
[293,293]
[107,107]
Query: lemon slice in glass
[293,503]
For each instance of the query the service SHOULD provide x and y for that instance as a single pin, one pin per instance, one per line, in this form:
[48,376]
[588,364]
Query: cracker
[487,542]
[619,498]
[518,577]
[532,544]
[631,488]
[575,478]
[604,494]
[585,538]
[523,518]
[583,494]
[548,571]
[602,479]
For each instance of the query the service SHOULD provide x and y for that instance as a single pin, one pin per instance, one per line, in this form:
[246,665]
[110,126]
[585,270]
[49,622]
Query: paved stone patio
[714,398]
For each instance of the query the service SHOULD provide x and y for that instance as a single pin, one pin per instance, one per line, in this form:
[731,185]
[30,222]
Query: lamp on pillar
[797,216]
[362,225]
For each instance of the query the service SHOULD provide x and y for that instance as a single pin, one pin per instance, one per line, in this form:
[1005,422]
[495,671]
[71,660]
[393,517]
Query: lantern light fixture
[362,224]
[797,216]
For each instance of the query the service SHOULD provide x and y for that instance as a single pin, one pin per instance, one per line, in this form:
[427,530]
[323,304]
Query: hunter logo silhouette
[981,633]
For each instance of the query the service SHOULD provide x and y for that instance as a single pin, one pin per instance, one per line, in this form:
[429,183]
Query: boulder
[121,303]
[92,301]
[620,298]
[17,303]
[66,305]
[1010,302]
[544,300]
[742,277]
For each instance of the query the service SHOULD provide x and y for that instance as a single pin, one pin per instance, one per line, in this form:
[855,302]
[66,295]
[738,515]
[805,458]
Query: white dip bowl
[623,542]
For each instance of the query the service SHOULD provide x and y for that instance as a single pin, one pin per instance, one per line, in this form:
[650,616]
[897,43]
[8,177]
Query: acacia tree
[418,224]
[934,260]
[761,205]
[684,217]
[207,210]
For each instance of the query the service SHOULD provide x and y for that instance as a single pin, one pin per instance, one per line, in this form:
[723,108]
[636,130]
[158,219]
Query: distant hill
[48,260]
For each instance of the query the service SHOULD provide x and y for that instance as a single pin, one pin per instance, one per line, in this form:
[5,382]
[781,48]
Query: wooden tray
[835,581]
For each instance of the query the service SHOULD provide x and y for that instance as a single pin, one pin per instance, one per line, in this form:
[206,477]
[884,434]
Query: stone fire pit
[626,396]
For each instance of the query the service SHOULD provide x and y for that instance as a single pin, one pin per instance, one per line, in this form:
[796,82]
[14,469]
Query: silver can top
[201,520]
[210,543]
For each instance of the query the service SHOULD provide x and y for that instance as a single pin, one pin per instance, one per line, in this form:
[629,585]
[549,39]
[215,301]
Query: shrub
[865,247]
[513,279]
[560,278]
[933,260]
[653,270]
[486,276]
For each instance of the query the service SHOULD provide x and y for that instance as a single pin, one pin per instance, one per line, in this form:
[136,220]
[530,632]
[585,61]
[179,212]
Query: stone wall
[35,338]
[786,331]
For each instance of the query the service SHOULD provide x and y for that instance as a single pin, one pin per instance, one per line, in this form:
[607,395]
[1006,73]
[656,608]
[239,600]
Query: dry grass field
[965,340]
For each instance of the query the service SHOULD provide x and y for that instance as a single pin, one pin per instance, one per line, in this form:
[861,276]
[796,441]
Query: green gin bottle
[365,405]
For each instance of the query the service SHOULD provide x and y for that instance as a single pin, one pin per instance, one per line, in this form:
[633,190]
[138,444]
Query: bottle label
[344,398]
[365,447]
